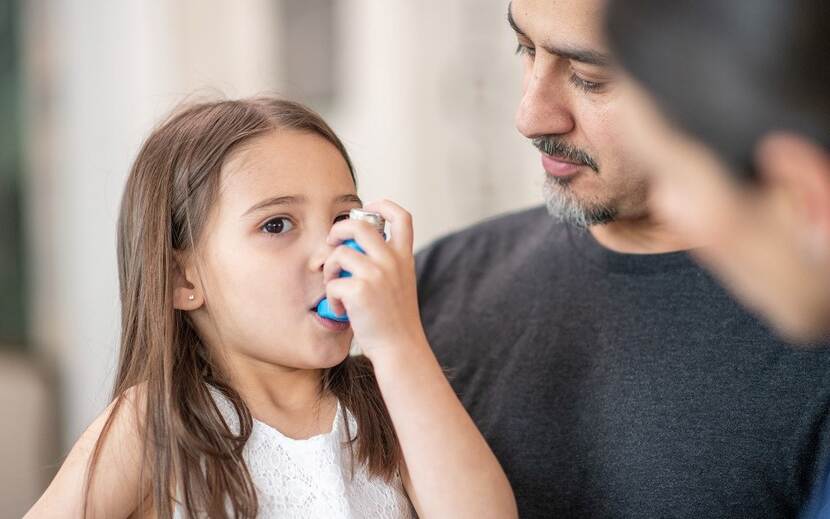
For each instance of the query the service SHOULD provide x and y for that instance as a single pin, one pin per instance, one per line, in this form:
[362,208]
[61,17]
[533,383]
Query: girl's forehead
[284,163]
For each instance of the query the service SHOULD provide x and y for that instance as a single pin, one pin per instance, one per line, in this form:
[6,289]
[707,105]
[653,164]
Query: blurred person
[611,375]
[739,153]
[233,397]
[735,128]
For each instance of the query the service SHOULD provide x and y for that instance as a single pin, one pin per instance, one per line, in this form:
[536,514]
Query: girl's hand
[381,300]
[381,296]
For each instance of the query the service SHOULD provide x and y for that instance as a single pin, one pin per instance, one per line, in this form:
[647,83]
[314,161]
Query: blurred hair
[729,71]
[189,452]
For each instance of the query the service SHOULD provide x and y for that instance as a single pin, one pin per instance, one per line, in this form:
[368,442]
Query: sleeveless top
[313,478]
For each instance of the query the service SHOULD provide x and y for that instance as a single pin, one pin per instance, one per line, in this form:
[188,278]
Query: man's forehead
[566,24]
[585,11]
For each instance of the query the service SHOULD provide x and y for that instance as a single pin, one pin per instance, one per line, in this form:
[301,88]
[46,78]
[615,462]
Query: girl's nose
[320,253]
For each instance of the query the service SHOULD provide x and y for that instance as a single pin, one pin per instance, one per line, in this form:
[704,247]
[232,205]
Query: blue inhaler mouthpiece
[324,308]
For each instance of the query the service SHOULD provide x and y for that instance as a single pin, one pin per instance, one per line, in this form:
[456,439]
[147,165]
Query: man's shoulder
[513,227]
[494,239]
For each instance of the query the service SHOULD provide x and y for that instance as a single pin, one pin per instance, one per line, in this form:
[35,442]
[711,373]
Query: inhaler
[378,222]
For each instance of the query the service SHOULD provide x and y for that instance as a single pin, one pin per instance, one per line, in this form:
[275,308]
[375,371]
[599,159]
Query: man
[610,374]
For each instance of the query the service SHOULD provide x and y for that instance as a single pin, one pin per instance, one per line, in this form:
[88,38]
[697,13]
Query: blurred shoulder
[117,435]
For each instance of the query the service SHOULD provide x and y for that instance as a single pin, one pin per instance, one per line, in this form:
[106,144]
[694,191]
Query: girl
[233,398]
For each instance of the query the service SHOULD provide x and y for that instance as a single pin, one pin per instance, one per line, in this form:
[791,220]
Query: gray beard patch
[562,204]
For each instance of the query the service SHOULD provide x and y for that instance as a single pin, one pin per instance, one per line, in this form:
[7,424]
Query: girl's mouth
[328,324]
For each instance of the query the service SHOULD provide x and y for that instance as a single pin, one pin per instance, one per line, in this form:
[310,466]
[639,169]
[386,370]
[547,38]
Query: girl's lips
[559,168]
[328,324]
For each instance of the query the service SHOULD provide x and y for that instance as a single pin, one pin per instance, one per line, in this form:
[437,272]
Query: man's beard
[560,200]
[564,205]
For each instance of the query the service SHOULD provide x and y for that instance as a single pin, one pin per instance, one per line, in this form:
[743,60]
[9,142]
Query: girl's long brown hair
[189,453]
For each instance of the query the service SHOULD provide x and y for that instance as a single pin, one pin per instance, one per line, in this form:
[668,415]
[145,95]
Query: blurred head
[570,111]
[728,111]
[221,244]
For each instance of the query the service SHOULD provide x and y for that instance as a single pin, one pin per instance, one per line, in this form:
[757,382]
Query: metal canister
[375,219]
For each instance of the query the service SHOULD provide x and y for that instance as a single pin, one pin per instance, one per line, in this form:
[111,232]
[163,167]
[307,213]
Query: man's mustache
[557,148]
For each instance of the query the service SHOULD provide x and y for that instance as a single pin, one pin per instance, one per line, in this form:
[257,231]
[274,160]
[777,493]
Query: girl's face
[263,247]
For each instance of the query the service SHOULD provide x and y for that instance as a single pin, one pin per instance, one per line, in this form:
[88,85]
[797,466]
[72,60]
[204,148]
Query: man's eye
[341,217]
[524,50]
[587,86]
[277,225]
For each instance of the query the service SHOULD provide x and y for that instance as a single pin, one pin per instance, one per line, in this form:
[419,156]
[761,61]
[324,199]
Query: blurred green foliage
[12,279]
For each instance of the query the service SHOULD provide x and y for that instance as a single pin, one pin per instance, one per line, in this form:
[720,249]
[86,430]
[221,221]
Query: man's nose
[544,108]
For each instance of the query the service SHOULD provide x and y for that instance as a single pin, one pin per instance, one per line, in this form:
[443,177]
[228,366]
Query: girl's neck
[291,400]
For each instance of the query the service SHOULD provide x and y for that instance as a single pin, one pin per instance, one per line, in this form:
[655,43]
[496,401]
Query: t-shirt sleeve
[807,456]
[433,269]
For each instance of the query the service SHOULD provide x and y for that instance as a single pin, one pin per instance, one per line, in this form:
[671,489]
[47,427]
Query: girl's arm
[449,469]
[114,491]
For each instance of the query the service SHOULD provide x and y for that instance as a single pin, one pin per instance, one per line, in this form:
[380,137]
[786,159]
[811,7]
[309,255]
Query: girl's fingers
[335,304]
[400,223]
[364,234]
[345,258]
[341,289]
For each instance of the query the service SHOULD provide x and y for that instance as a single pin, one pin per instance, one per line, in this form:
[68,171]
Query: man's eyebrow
[511,21]
[587,56]
[277,200]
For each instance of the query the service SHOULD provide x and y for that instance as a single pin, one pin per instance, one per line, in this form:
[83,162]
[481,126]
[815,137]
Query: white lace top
[312,478]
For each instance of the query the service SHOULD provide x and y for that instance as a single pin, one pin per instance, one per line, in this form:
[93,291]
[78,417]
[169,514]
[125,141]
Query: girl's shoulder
[113,446]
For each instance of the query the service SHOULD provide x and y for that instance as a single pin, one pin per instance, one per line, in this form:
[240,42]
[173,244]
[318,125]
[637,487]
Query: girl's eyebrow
[296,200]
[277,200]
[348,198]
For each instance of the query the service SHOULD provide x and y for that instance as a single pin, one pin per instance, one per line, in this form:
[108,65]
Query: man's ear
[801,167]
[187,290]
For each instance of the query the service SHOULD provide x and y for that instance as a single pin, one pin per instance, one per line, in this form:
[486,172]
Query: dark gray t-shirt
[620,385]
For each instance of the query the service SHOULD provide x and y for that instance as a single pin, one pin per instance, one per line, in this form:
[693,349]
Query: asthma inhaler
[378,222]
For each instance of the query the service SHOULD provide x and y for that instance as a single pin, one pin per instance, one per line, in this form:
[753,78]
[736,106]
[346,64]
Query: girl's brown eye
[277,225]
[341,218]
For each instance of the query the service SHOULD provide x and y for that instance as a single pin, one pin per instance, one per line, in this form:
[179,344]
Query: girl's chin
[328,356]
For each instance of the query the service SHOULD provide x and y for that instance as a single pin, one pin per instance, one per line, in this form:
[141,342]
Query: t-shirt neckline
[584,242]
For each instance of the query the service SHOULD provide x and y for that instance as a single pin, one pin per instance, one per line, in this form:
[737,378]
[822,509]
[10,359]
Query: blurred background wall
[422,93]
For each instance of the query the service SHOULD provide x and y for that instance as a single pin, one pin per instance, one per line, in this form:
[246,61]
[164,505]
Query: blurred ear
[802,168]
[187,291]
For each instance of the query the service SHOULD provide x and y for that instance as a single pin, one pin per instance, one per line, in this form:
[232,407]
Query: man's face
[569,109]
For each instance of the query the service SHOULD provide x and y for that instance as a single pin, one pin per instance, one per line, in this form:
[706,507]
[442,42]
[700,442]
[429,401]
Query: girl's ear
[801,167]
[187,291]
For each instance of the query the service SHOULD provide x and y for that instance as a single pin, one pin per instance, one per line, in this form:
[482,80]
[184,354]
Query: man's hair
[729,71]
